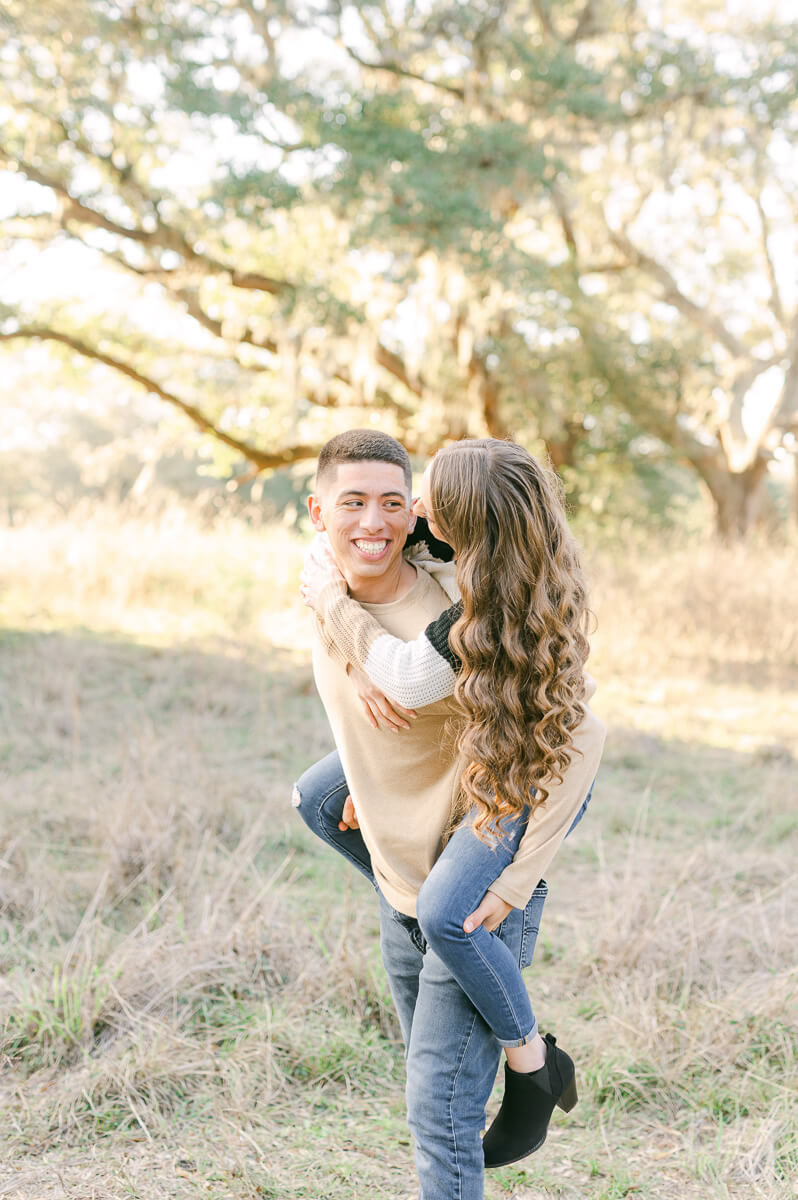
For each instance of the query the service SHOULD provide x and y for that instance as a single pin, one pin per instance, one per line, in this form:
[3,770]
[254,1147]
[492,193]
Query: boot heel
[569,1097]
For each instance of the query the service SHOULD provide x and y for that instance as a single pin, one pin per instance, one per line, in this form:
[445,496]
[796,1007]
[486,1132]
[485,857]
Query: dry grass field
[191,999]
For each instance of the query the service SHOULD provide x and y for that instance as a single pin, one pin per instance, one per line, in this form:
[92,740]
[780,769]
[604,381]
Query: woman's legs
[531,1092]
[479,961]
[319,797]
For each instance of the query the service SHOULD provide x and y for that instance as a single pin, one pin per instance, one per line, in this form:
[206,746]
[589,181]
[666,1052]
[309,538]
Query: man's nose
[371,517]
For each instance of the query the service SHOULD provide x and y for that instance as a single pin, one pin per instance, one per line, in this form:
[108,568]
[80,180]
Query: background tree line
[569,221]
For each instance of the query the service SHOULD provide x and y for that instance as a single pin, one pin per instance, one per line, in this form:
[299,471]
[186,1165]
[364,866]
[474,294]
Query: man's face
[364,507]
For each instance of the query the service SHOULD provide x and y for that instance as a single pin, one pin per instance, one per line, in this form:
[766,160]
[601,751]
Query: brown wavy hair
[522,635]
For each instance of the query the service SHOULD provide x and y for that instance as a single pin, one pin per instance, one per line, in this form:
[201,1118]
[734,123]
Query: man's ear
[413,518]
[314,509]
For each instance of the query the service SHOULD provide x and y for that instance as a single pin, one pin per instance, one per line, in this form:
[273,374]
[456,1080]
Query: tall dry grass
[162,575]
[704,606]
[191,997]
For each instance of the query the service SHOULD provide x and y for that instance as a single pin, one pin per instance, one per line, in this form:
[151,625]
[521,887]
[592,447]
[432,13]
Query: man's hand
[491,912]
[381,712]
[348,816]
[319,569]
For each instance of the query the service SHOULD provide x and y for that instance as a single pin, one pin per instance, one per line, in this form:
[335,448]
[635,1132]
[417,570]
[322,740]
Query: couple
[461,620]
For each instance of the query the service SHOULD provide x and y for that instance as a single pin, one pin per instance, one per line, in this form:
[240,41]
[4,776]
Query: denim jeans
[452,1052]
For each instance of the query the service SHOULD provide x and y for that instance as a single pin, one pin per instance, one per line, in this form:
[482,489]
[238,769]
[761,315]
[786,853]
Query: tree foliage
[447,218]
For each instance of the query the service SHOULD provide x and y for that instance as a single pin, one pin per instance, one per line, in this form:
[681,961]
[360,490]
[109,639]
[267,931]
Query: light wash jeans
[456,994]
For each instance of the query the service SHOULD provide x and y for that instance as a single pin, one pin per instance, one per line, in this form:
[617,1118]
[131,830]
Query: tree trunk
[737,495]
[488,397]
[562,446]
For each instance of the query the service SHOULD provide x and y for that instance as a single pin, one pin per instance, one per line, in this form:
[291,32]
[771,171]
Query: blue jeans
[452,1055]
[452,1051]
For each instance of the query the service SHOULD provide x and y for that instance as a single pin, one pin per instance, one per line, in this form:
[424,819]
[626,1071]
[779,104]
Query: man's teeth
[372,548]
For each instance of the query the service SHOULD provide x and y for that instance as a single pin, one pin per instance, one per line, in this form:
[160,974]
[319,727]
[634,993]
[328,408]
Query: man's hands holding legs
[348,816]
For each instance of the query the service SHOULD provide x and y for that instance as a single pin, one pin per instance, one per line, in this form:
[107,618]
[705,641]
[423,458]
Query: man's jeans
[452,1054]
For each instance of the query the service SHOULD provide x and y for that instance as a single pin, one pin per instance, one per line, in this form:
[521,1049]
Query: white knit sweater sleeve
[411,673]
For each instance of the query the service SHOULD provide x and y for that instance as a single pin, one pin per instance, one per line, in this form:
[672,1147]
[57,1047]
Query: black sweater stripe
[437,632]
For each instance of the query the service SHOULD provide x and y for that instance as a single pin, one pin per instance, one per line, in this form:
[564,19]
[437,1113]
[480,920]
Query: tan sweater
[406,787]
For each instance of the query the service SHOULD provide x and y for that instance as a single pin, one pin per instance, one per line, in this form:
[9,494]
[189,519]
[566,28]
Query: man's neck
[385,589]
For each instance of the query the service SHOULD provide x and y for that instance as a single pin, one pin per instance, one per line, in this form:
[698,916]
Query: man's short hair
[363,445]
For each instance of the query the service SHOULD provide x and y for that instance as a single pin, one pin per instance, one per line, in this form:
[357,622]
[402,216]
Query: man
[404,793]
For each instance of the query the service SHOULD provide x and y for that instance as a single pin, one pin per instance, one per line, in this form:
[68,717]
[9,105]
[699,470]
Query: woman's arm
[411,673]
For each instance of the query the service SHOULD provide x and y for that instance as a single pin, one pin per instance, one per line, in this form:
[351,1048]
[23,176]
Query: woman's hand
[318,570]
[381,712]
[491,912]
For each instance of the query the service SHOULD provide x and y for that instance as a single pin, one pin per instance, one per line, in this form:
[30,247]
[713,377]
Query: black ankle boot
[522,1121]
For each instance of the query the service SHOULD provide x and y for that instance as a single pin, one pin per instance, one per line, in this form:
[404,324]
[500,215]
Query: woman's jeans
[481,963]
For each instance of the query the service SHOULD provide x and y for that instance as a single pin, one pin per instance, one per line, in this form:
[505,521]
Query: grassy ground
[190,991]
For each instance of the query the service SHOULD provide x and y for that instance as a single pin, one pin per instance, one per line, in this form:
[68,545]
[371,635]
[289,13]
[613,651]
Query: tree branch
[163,237]
[394,365]
[566,224]
[776,306]
[259,458]
[673,294]
[394,68]
[608,268]
[586,26]
[124,175]
[188,297]
[544,16]
[489,396]
[785,416]
[37,227]
[387,359]
[733,434]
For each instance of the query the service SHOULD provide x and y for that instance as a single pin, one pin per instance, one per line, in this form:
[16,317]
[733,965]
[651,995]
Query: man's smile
[371,547]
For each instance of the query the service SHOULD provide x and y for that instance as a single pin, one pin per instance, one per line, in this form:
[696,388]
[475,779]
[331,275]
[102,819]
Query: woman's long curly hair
[522,635]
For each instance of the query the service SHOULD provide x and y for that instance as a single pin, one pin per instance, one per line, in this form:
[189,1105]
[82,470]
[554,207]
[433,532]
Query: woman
[512,652]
